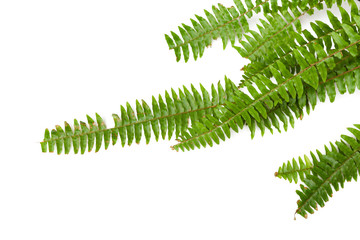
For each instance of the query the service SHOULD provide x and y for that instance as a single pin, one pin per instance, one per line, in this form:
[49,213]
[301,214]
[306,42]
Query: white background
[61,60]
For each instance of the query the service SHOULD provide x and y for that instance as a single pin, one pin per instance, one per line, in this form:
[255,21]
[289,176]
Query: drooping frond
[231,23]
[227,23]
[294,170]
[166,115]
[253,107]
[337,165]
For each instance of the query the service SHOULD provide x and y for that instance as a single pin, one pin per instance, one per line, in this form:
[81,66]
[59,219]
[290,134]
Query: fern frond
[252,108]
[166,116]
[231,23]
[226,23]
[294,170]
[337,165]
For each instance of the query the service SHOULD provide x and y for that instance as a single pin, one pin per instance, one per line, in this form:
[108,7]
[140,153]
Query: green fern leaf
[340,164]
[231,23]
[169,115]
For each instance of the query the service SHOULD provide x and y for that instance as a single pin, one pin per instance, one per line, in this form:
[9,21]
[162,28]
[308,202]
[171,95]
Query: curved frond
[231,23]
[165,116]
[337,165]
[226,23]
[294,170]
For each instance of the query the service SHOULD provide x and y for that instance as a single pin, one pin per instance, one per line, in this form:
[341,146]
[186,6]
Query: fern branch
[340,164]
[165,117]
[229,24]
[208,31]
[225,24]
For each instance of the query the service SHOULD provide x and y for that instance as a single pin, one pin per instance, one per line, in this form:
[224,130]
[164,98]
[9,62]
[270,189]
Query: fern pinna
[328,171]
[290,71]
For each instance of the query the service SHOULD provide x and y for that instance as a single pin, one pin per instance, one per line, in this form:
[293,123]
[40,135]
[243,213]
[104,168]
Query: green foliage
[164,119]
[231,23]
[283,50]
[227,23]
[290,71]
[166,116]
[297,72]
[294,170]
[283,29]
[329,171]
[342,78]
[251,108]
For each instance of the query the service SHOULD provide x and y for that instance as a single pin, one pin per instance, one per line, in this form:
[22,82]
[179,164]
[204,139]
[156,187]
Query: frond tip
[81,137]
[226,23]
[340,163]
[294,170]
